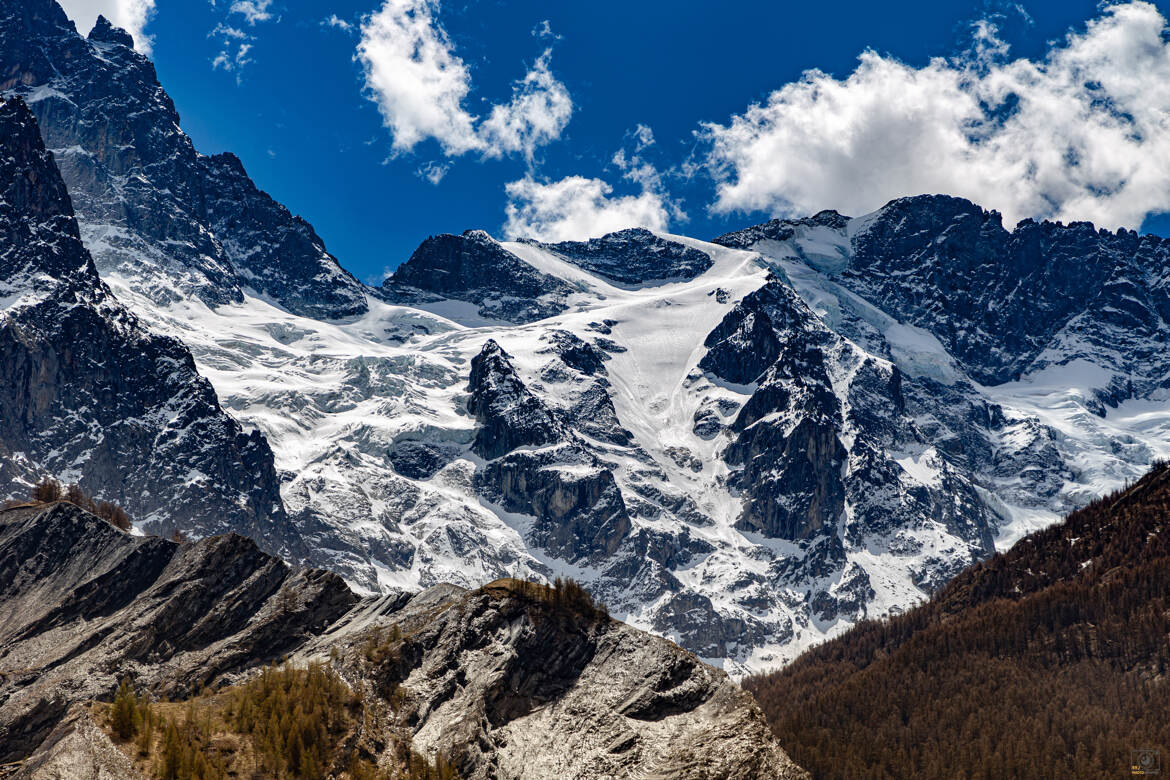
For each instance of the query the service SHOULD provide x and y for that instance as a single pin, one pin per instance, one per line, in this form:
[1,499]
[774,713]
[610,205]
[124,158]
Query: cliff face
[84,604]
[168,221]
[88,394]
[507,681]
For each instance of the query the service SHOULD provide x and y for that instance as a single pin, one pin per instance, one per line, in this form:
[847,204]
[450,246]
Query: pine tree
[124,715]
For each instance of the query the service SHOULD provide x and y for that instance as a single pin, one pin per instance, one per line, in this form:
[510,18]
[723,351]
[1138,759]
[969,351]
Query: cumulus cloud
[576,208]
[537,113]
[1079,134]
[419,84]
[130,15]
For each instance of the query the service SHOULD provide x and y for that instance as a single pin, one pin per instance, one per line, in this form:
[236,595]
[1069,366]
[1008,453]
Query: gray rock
[505,682]
[634,256]
[511,686]
[474,267]
[88,394]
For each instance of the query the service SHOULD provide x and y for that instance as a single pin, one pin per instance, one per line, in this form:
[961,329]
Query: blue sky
[640,111]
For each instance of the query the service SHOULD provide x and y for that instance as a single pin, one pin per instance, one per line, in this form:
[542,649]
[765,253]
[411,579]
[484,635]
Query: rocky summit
[507,681]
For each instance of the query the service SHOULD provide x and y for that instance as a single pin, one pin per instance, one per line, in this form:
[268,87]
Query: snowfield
[334,398]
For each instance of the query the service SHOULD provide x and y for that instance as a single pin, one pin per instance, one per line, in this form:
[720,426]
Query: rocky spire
[104,32]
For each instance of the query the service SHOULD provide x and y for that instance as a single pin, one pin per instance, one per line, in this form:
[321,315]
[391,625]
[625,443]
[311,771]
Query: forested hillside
[1048,661]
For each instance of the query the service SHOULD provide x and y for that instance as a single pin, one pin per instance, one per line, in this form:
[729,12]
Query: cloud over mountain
[1079,134]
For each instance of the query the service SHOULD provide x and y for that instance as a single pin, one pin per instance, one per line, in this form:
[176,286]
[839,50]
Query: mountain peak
[105,32]
[479,235]
[634,256]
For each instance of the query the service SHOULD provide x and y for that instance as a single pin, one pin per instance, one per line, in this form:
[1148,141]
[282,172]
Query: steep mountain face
[633,256]
[746,446]
[155,213]
[1017,651]
[500,680]
[1005,304]
[85,604]
[88,394]
[475,270]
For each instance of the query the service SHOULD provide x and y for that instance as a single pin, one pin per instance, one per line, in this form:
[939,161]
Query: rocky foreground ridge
[501,681]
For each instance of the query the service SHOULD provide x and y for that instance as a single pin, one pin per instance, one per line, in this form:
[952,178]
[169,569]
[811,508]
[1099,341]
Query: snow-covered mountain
[89,394]
[745,445]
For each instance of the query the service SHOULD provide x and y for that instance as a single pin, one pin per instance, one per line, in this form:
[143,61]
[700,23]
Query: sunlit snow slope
[745,445]
[348,406]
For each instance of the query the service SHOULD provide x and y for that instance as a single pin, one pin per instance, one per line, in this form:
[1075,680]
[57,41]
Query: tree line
[48,490]
[286,723]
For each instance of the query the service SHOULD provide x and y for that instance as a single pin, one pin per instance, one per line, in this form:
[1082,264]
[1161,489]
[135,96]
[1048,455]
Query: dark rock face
[580,513]
[509,415]
[780,229]
[813,450]
[168,218]
[86,393]
[579,510]
[85,604]
[998,299]
[36,215]
[792,467]
[418,460]
[790,464]
[576,353]
[693,616]
[274,252]
[474,267]
[745,344]
[634,256]
[104,32]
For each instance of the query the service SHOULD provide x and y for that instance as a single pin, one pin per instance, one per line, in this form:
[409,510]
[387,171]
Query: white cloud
[544,30]
[235,45]
[253,11]
[577,208]
[633,166]
[433,171]
[130,15]
[537,114]
[1081,134]
[336,21]
[419,83]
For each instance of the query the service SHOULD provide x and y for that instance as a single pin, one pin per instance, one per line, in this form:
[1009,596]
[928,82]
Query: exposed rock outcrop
[509,684]
[84,604]
[634,256]
[474,268]
[158,215]
[514,680]
[509,415]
